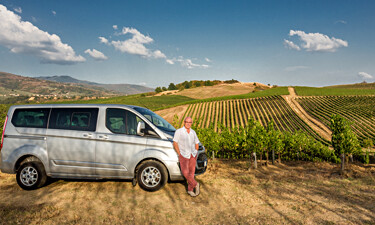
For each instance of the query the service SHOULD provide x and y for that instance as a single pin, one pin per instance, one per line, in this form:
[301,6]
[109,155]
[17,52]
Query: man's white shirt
[186,142]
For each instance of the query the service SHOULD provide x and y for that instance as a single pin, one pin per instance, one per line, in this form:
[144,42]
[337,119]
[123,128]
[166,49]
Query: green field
[332,91]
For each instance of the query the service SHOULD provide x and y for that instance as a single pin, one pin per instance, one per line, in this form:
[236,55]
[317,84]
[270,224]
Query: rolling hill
[127,89]
[15,85]
[218,90]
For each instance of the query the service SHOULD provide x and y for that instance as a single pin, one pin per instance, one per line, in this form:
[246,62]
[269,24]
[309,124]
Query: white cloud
[54,12]
[158,54]
[115,27]
[365,75]
[18,10]
[170,61]
[23,37]
[103,40]
[208,60]
[291,45]
[341,21]
[295,68]
[97,55]
[316,42]
[188,63]
[136,45]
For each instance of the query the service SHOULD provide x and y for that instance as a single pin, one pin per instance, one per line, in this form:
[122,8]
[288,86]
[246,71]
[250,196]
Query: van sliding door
[71,141]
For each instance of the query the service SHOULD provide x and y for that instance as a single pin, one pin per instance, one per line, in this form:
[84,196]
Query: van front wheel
[151,175]
[31,175]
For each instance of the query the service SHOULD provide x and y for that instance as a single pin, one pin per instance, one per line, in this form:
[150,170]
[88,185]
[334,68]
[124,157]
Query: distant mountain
[119,88]
[66,79]
[13,85]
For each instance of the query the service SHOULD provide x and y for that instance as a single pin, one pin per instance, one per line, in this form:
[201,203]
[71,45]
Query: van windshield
[157,120]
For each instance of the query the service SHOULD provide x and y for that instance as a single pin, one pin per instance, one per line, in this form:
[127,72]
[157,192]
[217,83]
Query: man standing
[185,142]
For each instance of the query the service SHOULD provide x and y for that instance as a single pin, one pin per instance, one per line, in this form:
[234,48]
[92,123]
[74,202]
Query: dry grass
[292,193]
[168,114]
[217,90]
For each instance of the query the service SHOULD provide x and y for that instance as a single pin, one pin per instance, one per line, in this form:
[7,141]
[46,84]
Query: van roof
[74,106]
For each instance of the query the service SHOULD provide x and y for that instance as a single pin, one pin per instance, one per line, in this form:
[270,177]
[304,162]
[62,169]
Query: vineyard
[360,110]
[237,113]
[366,89]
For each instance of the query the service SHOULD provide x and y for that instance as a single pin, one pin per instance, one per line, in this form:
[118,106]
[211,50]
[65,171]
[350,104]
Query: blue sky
[153,43]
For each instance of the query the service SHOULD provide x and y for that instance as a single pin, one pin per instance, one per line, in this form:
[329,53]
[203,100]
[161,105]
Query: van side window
[121,121]
[84,119]
[35,118]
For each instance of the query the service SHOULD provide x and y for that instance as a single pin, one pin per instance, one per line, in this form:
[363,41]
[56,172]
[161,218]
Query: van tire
[31,175]
[151,175]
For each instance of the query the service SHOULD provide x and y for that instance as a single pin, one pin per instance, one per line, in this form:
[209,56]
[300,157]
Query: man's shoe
[197,191]
[191,193]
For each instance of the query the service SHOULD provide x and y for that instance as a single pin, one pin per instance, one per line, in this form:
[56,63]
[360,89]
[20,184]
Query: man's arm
[175,145]
[196,141]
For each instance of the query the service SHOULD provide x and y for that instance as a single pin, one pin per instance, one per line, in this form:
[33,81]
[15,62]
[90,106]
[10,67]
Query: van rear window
[83,119]
[36,118]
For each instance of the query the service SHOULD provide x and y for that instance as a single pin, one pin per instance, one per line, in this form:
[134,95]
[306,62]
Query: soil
[287,193]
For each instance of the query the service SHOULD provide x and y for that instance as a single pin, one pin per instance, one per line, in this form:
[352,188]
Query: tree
[164,89]
[187,84]
[208,83]
[158,90]
[172,86]
[344,140]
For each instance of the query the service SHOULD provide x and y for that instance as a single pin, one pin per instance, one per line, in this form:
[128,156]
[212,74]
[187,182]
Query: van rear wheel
[151,175]
[31,175]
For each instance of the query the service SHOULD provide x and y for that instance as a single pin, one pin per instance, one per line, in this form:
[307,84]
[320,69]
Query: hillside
[341,90]
[290,113]
[127,89]
[218,90]
[362,85]
[14,85]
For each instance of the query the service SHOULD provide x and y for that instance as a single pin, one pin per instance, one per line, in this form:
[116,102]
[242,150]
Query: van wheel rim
[151,176]
[29,176]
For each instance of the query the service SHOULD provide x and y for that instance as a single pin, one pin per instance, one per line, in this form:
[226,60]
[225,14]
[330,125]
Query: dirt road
[316,125]
[293,193]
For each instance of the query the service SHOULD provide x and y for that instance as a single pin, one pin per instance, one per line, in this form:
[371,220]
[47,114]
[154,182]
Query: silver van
[90,141]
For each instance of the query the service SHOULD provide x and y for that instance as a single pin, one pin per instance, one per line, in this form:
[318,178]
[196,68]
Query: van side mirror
[141,128]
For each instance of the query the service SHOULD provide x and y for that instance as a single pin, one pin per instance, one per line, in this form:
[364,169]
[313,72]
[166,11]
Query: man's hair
[188,118]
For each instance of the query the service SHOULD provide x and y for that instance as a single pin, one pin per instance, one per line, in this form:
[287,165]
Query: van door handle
[87,135]
[105,137]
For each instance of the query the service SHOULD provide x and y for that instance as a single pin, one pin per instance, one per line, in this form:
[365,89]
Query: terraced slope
[237,112]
